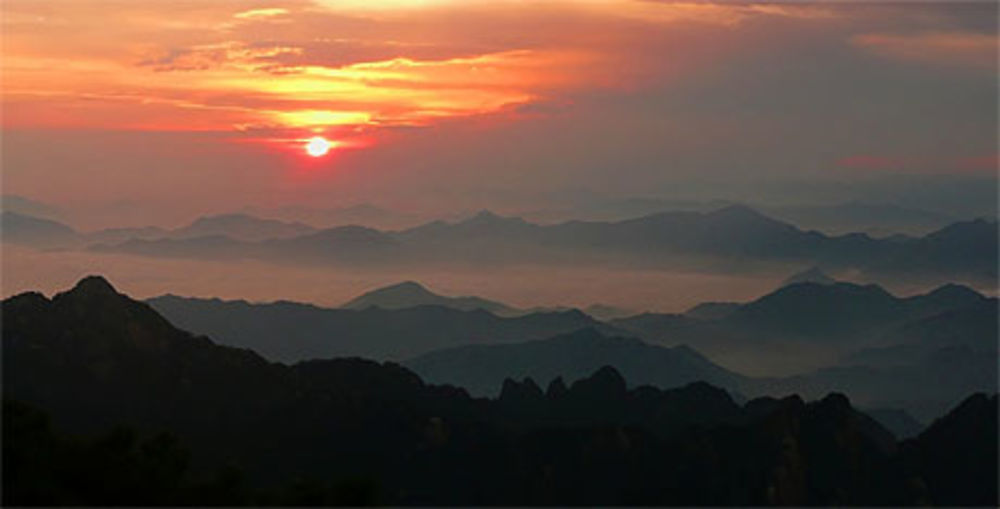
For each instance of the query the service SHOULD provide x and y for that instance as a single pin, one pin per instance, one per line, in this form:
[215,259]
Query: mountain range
[47,233]
[354,431]
[481,369]
[290,332]
[25,206]
[35,231]
[733,238]
[871,217]
[810,275]
[916,353]
[806,338]
[410,294]
[810,324]
[876,219]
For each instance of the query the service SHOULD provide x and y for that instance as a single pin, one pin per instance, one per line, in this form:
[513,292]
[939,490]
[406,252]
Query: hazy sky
[153,112]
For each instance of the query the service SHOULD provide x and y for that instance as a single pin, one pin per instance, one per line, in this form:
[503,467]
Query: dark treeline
[212,425]
[119,467]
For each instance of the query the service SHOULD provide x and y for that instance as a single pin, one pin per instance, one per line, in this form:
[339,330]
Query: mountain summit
[410,294]
[242,227]
[810,275]
[94,286]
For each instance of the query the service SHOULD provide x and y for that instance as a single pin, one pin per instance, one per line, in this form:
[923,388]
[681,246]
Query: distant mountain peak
[408,294]
[516,392]
[407,284]
[410,288]
[94,285]
[402,290]
[606,381]
[583,333]
[955,290]
[606,312]
[712,310]
[557,388]
[737,209]
[488,217]
[744,216]
[225,217]
[811,275]
[242,226]
[486,214]
[740,211]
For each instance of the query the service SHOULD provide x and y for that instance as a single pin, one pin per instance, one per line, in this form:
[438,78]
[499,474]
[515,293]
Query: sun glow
[318,146]
[274,68]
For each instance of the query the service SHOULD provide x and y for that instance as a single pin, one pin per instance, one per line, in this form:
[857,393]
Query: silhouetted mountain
[363,214]
[810,275]
[973,326]
[28,207]
[36,232]
[712,310]
[731,231]
[410,294]
[189,241]
[965,437]
[923,365]
[900,423]
[593,209]
[735,237]
[802,311]
[287,331]
[604,312]
[241,227]
[667,328]
[237,227]
[481,369]
[813,339]
[344,244]
[857,216]
[925,388]
[813,309]
[963,249]
[93,359]
[482,224]
[872,217]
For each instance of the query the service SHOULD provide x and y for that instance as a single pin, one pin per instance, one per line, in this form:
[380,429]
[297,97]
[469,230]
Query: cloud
[613,94]
[390,62]
[261,13]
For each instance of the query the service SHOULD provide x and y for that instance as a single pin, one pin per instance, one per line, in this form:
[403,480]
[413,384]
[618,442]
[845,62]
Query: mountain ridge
[481,369]
[422,444]
[316,332]
[411,293]
[963,250]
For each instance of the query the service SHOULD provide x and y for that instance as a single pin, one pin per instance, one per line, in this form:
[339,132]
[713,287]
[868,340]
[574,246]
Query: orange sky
[367,72]
[347,66]
[284,66]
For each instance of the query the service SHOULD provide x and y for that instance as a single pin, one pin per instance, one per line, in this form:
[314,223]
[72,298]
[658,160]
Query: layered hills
[93,358]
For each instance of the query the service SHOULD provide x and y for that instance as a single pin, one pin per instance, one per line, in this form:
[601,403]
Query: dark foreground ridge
[213,425]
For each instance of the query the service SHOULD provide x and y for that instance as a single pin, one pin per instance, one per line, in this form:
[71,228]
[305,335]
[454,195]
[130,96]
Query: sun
[318,146]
